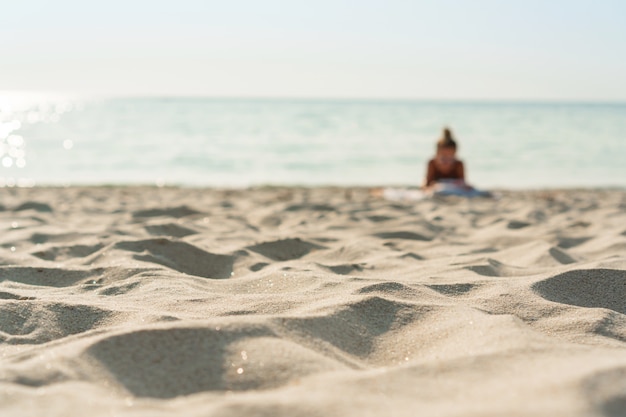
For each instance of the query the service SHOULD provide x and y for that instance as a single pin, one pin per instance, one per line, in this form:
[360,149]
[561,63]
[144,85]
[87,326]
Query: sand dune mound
[46,277]
[606,390]
[233,357]
[40,322]
[594,288]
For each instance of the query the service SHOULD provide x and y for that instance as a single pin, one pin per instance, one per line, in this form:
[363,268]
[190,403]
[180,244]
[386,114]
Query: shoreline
[305,186]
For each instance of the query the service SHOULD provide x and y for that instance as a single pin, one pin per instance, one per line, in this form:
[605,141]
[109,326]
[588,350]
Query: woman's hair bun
[446,140]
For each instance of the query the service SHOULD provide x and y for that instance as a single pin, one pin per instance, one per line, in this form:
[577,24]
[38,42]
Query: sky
[400,49]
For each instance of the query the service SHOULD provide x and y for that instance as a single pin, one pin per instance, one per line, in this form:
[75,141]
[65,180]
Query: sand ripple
[307,302]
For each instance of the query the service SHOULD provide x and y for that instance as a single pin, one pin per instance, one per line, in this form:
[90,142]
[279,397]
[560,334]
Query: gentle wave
[237,142]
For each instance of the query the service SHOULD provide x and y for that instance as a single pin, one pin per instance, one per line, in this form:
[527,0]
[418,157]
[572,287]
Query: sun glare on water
[16,110]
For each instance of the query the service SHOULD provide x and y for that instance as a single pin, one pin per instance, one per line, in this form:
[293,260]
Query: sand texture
[145,301]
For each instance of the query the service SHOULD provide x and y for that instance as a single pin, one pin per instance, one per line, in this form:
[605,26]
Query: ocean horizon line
[42,94]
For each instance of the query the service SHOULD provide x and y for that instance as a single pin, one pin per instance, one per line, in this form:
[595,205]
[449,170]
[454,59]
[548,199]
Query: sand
[139,301]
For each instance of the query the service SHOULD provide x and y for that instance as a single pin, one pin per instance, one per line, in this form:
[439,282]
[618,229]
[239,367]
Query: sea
[55,139]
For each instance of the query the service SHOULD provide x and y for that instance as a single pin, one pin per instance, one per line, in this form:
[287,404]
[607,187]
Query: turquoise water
[237,142]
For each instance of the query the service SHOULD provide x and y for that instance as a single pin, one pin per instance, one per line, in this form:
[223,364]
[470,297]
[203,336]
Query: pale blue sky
[431,49]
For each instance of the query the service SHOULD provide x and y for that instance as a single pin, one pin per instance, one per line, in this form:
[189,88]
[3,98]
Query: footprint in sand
[180,256]
[176,212]
[60,253]
[285,249]
[310,207]
[34,205]
[517,224]
[570,242]
[169,229]
[403,235]
[453,289]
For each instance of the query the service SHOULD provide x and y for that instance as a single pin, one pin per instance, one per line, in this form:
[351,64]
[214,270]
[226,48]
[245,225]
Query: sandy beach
[139,301]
